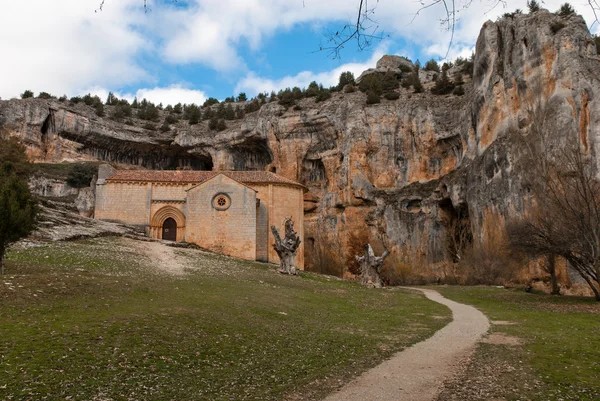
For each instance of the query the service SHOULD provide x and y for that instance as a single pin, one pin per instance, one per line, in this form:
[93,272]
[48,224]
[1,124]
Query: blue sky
[198,48]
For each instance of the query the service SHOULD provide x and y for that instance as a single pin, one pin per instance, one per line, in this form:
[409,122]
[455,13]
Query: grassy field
[100,320]
[542,347]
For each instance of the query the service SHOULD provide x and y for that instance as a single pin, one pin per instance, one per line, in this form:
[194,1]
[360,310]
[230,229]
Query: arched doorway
[169,230]
[168,223]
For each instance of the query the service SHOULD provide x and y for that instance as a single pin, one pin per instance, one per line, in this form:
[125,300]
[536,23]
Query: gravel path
[418,372]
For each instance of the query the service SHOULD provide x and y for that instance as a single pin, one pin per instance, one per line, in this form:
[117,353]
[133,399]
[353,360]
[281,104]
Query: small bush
[297,107]
[533,6]
[209,102]
[432,65]
[81,174]
[373,98]
[371,83]
[350,88]
[221,125]
[165,127]
[392,95]
[99,108]
[242,97]
[120,111]
[346,78]
[27,94]
[171,119]
[565,10]
[405,68]
[443,85]
[597,40]
[45,95]
[252,106]
[322,96]
[212,123]
[63,98]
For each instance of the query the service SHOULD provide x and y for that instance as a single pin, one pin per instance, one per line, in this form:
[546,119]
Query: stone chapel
[228,212]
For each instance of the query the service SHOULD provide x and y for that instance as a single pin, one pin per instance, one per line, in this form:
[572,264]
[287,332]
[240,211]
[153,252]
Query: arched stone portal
[169,230]
[168,220]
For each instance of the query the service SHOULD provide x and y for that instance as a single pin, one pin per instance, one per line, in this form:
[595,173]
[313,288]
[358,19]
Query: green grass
[560,355]
[95,319]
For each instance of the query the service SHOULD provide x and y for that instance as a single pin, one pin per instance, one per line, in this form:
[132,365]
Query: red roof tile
[198,177]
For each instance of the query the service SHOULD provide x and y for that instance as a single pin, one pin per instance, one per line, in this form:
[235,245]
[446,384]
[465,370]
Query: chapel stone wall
[231,231]
[128,203]
[282,201]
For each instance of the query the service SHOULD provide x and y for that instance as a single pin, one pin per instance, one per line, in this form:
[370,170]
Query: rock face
[396,172]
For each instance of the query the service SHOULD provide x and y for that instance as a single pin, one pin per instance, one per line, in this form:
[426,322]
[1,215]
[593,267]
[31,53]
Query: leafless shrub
[562,218]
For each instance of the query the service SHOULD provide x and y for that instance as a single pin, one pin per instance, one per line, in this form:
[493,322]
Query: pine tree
[18,208]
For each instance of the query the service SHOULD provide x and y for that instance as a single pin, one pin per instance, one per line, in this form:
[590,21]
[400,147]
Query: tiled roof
[197,177]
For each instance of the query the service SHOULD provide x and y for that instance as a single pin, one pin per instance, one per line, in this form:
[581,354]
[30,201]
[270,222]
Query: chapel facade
[229,212]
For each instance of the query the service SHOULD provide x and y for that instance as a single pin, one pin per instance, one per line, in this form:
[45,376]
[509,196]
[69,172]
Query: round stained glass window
[221,201]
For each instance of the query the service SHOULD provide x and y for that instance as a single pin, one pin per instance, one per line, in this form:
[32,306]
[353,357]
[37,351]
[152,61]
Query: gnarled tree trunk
[286,248]
[370,267]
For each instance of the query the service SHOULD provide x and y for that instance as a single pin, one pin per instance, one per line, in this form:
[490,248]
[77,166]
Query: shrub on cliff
[373,98]
[443,85]
[392,95]
[252,106]
[99,108]
[121,111]
[111,99]
[81,174]
[345,78]
[45,95]
[597,40]
[371,83]
[432,65]
[565,10]
[350,88]
[533,6]
[27,94]
[210,101]
[242,97]
[323,95]
[192,114]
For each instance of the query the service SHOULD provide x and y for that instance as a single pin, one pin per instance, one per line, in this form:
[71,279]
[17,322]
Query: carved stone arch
[159,218]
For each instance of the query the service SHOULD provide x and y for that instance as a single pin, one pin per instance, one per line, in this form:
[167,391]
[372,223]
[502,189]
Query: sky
[186,51]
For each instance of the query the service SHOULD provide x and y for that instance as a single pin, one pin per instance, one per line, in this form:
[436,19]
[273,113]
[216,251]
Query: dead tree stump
[286,248]
[370,267]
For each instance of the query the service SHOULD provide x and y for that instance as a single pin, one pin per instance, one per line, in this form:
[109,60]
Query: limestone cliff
[396,172]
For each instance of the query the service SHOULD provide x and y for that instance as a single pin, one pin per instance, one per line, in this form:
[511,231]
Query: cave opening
[458,234]
[252,154]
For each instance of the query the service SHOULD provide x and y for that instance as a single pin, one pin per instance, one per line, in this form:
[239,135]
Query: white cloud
[63,47]
[168,95]
[253,84]
[172,95]
[210,32]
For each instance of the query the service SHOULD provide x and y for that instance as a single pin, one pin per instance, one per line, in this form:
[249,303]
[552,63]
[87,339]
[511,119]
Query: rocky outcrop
[396,172]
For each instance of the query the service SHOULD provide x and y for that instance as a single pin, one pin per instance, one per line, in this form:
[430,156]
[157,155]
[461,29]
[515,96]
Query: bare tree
[286,248]
[563,215]
[370,266]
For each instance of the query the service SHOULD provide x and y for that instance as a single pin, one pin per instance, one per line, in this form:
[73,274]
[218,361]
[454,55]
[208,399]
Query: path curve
[418,372]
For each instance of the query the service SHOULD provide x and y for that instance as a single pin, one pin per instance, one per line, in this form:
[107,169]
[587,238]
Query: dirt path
[417,373]
[163,257]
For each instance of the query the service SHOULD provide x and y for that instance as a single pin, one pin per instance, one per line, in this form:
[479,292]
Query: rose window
[221,201]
